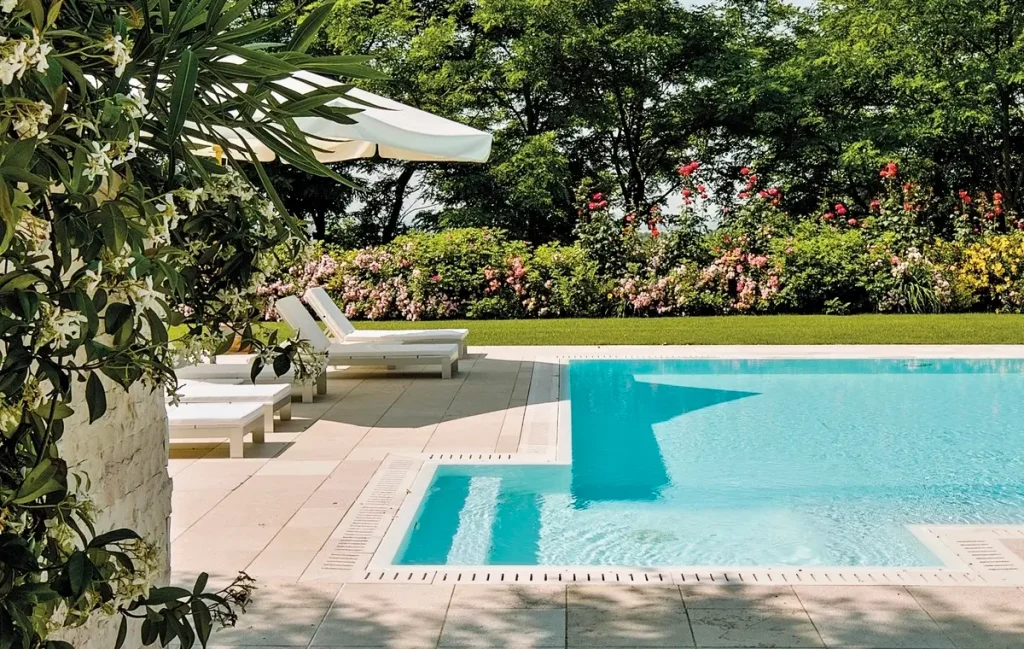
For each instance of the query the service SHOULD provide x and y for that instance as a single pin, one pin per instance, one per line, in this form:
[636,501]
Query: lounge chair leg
[286,412]
[463,350]
[237,441]
[307,392]
[268,420]
[446,370]
[321,384]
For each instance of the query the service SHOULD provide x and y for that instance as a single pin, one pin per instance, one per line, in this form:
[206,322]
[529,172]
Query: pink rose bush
[902,250]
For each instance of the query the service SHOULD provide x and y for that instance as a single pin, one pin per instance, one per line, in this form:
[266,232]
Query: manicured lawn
[981,328]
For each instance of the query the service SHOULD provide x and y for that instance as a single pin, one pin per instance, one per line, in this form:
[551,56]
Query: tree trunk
[319,226]
[390,229]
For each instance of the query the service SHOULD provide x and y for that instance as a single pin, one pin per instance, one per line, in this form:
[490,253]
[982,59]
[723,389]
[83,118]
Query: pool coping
[371,533]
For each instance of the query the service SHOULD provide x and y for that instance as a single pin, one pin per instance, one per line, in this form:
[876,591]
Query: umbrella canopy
[381,127]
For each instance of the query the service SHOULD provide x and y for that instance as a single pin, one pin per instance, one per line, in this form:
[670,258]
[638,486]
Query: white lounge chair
[241,372]
[341,329]
[389,354]
[273,397]
[230,420]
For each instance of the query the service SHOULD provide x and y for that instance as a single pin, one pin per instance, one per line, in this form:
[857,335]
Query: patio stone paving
[270,514]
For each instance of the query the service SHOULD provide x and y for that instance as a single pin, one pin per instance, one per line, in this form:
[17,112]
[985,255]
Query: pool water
[745,463]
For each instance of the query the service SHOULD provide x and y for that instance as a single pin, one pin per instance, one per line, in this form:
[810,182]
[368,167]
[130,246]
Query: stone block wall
[124,455]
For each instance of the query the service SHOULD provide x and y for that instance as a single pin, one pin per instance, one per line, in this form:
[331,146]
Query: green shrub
[822,270]
[563,281]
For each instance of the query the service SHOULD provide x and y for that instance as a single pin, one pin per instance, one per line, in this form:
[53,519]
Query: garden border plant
[111,229]
[907,251]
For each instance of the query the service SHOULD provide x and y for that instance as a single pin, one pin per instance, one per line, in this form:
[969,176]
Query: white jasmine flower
[191,197]
[136,105]
[169,219]
[14,61]
[7,6]
[269,211]
[79,125]
[127,151]
[29,117]
[148,297]
[98,163]
[68,326]
[119,53]
[36,52]
[93,278]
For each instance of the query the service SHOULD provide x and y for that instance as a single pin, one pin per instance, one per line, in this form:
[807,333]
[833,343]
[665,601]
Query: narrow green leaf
[310,27]
[35,8]
[182,93]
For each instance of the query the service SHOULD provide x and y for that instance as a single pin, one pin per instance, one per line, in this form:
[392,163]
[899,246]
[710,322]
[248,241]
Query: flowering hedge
[885,256]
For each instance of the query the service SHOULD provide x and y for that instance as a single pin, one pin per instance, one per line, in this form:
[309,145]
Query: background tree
[934,84]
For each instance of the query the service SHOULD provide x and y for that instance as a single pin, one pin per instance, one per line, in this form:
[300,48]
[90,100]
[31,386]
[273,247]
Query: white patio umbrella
[382,127]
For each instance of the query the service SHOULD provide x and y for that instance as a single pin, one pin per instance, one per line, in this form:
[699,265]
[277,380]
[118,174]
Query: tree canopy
[612,95]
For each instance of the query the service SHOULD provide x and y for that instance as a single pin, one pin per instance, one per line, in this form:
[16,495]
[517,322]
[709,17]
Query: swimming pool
[745,463]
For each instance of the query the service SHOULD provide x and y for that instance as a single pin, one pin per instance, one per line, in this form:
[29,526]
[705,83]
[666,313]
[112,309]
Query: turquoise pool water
[745,463]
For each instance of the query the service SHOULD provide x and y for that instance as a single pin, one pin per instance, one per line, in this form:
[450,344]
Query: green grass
[980,328]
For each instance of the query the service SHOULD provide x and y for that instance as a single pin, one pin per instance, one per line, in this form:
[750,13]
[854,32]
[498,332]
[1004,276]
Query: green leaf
[166,594]
[183,91]
[115,229]
[54,11]
[35,8]
[282,363]
[122,633]
[257,367]
[117,316]
[201,581]
[203,620]
[14,552]
[114,536]
[7,633]
[16,281]
[95,397]
[79,569]
[40,481]
[150,631]
[310,27]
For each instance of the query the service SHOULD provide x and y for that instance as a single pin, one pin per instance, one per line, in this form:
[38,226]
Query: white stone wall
[124,455]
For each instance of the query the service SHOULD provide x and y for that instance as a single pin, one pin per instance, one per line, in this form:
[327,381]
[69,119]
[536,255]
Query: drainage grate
[986,555]
[470,457]
[360,531]
[525,576]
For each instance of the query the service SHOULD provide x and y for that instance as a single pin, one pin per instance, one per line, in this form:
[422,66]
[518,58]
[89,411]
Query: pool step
[995,552]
